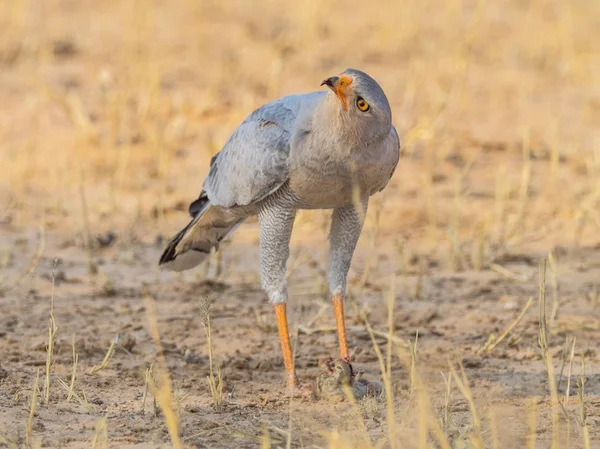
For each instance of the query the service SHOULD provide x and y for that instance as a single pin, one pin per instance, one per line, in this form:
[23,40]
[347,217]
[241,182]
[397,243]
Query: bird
[335,375]
[329,149]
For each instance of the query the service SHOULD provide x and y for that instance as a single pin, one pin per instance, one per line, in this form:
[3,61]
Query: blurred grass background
[131,98]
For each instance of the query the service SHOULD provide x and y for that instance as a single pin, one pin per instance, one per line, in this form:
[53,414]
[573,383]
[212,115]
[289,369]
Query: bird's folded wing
[254,161]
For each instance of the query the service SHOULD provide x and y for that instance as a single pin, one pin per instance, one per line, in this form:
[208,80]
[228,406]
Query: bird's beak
[339,86]
[331,82]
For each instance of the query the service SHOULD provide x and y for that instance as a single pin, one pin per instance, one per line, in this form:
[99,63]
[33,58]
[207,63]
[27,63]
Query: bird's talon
[292,380]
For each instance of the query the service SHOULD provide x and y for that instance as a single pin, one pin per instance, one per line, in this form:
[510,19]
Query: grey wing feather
[251,165]
[254,161]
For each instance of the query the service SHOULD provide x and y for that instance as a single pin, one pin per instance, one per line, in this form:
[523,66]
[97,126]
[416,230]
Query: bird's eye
[362,105]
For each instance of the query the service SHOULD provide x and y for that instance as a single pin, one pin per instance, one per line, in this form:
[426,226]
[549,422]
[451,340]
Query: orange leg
[338,309]
[286,347]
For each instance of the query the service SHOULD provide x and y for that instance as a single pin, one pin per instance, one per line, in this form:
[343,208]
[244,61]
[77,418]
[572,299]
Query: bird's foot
[291,379]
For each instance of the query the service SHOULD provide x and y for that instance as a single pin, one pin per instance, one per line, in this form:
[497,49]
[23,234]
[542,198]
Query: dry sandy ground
[111,111]
[454,314]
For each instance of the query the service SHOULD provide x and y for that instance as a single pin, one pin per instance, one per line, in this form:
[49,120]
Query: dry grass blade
[413,359]
[147,379]
[50,348]
[389,394]
[519,219]
[567,392]
[74,371]
[106,360]
[480,241]
[494,429]
[180,396]
[571,357]
[583,412]
[81,399]
[162,389]
[543,342]
[554,284]
[566,351]
[391,297]
[543,336]
[531,424]
[509,274]
[493,342]
[215,379]
[32,407]
[422,401]
[447,396]
[266,442]
[463,385]
[100,440]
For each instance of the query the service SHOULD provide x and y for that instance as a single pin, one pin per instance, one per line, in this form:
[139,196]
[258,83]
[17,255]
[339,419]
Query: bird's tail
[193,244]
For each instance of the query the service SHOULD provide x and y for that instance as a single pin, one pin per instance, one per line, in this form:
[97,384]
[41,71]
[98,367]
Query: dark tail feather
[193,244]
[199,204]
[170,253]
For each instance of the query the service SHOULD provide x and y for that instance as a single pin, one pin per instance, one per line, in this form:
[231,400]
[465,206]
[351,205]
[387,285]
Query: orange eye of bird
[362,105]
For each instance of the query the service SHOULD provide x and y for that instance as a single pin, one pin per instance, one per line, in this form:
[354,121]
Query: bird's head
[362,102]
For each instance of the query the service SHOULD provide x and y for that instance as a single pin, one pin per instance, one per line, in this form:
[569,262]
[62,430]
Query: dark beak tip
[329,81]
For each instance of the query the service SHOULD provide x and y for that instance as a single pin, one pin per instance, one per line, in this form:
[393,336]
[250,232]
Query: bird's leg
[346,226]
[286,347]
[276,223]
[338,310]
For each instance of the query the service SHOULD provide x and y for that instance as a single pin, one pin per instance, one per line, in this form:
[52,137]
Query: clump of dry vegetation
[214,378]
[160,382]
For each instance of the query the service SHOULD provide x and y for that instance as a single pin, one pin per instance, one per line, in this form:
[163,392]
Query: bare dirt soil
[111,111]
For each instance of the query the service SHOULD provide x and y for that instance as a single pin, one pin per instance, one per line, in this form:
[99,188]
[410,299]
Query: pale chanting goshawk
[321,150]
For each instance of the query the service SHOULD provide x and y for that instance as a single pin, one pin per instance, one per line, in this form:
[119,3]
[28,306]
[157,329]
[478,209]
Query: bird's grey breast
[324,176]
